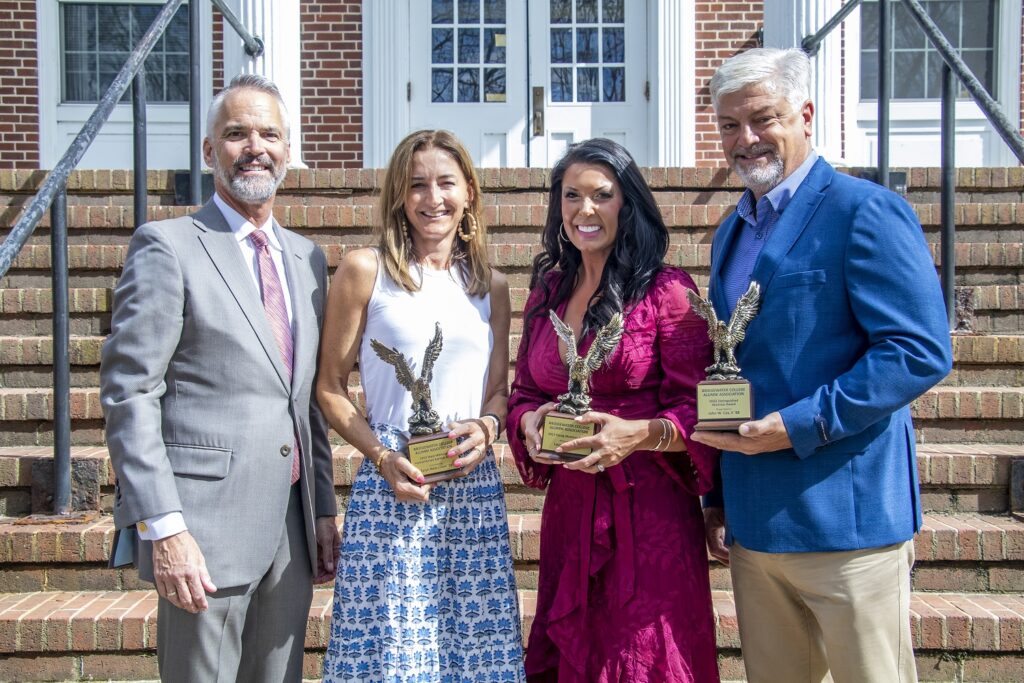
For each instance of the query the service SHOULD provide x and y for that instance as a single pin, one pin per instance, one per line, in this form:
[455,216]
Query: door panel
[469,75]
[589,58]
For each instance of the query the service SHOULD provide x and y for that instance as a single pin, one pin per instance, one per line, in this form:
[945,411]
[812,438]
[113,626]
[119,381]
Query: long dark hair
[640,243]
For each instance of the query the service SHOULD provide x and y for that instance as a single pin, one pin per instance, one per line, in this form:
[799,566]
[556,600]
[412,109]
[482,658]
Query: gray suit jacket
[200,417]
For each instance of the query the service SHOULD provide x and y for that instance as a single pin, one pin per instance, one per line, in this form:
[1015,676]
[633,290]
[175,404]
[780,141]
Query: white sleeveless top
[405,321]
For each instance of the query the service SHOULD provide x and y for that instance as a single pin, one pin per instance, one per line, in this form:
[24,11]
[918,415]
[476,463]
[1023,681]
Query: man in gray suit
[221,454]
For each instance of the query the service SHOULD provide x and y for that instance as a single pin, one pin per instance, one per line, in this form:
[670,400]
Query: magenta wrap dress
[624,593]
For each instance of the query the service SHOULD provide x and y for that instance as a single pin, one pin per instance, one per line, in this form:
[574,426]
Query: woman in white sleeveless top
[425,589]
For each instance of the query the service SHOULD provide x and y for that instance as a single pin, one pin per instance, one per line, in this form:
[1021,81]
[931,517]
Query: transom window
[970,25]
[467,39]
[97,39]
[588,51]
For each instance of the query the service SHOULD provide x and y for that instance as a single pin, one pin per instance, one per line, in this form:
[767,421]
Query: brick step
[955,552]
[100,634]
[98,265]
[519,209]
[999,309]
[960,413]
[107,183]
[954,478]
[983,360]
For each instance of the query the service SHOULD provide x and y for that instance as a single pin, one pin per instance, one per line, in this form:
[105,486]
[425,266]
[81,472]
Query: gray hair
[784,72]
[246,82]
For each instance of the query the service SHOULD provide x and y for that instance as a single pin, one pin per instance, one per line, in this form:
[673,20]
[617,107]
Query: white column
[672,60]
[386,36]
[276,22]
[786,23]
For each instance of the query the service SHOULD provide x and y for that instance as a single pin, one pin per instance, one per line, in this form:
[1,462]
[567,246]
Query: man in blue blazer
[820,490]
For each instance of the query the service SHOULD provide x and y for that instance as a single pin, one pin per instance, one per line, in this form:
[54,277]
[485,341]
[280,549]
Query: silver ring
[171,594]
[600,467]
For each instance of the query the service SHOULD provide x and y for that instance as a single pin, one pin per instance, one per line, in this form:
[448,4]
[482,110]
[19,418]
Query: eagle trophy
[576,400]
[727,337]
[425,419]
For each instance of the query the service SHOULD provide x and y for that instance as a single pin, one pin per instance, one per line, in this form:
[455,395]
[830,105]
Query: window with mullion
[916,67]
[588,50]
[97,39]
[467,54]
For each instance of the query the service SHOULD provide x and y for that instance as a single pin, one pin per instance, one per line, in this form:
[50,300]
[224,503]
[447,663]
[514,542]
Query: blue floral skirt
[425,593]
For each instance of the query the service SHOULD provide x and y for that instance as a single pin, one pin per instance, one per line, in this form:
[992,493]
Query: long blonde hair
[391,230]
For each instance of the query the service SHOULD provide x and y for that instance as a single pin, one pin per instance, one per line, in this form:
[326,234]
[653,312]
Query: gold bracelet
[378,461]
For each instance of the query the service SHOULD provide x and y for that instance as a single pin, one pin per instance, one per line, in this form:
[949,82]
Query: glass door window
[468,51]
[588,51]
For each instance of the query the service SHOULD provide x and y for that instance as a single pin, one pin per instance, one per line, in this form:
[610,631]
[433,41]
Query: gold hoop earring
[563,236]
[470,220]
[408,239]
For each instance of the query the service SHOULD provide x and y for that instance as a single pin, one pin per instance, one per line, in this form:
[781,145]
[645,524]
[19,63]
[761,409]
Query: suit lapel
[724,238]
[222,247]
[795,217]
[300,288]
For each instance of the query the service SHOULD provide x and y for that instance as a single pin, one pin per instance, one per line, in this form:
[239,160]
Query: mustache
[754,150]
[263,159]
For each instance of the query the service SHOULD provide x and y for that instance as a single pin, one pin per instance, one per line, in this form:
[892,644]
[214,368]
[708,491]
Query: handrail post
[139,142]
[61,357]
[195,180]
[884,90]
[947,247]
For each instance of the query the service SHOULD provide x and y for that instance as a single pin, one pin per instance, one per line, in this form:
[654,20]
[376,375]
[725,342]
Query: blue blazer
[851,329]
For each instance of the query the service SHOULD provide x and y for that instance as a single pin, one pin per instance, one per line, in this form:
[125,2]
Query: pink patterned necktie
[277,315]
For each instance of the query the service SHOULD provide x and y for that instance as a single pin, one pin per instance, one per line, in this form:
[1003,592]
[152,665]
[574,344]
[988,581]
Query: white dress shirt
[171,523]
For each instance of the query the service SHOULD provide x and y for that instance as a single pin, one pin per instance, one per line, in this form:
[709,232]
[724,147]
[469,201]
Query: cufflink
[141,526]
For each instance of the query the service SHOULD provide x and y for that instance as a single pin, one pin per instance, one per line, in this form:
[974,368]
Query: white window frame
[922,117]
[167,120]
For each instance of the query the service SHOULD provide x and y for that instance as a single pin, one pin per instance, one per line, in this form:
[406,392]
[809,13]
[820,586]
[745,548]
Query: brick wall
[217,48]
[19,98]
[332,83]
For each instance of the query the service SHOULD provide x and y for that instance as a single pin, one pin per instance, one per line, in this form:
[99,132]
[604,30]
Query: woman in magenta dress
[624,592]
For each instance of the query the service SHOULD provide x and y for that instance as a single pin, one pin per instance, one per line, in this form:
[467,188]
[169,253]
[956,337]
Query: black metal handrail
[253,44]
[953,69]
[811,43]
[53,195]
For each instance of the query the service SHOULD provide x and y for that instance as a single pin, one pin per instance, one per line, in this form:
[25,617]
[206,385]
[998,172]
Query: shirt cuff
[161,526]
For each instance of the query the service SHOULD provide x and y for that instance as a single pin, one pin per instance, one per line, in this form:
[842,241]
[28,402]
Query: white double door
[520,80]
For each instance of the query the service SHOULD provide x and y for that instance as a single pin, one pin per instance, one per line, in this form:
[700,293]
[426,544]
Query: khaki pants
[828,616]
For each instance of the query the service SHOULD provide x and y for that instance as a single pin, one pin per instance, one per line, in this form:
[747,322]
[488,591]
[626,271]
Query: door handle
[538,111]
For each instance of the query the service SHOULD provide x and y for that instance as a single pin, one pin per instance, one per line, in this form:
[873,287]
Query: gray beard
[763,179]
[251,190]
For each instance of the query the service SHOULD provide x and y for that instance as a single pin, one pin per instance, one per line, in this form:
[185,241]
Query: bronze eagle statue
[576,400]
[726,337]
[424,419]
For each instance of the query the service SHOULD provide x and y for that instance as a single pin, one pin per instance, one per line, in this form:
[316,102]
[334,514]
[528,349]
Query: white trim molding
[672,56]
[386,36]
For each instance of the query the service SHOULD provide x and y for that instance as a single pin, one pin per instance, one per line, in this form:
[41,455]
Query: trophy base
[723,405]
[429,454]
[562,427]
